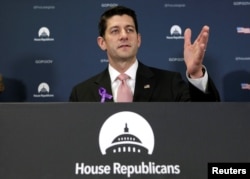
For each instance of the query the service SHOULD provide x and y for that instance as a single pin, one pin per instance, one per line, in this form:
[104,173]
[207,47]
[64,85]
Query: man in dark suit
[119,37]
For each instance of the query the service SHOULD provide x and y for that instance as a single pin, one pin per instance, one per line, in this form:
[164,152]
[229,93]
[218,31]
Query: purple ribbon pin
[104,94]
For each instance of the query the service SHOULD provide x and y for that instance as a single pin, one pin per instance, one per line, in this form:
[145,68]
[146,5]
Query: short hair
[117,10]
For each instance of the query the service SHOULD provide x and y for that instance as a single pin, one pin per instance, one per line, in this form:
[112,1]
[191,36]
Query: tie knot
[123,77]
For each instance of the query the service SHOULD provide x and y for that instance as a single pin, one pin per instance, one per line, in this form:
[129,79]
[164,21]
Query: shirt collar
[131,72]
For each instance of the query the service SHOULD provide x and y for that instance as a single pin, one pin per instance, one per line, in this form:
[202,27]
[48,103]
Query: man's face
[121,40]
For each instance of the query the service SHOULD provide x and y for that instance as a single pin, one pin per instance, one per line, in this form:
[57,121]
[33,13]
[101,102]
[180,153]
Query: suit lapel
[103,81]
[144,85]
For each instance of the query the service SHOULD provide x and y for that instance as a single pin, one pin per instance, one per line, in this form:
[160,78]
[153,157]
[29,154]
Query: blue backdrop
[48,46]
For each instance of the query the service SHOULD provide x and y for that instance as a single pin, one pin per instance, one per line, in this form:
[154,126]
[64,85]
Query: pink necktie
[124,93]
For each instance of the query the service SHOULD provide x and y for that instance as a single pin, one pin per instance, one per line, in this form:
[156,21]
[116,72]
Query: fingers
[202,39]
[187,37]
[204,32]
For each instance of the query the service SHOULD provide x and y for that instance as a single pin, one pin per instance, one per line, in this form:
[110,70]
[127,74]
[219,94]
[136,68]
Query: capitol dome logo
[175,33]
[43,35]
[43,88]
[43,91]
[175,30]
[126,132]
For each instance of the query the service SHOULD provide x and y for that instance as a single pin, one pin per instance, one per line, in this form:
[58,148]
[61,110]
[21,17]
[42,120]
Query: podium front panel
[135,140]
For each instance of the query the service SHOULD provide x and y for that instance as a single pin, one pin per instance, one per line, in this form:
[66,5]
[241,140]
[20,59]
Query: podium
[134,140]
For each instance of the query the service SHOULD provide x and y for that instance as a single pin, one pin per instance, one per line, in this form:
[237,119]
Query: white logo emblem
[126,132]
[44,32]
[44,35]
[175,30]
[43,88]
[175,33]
[43,91]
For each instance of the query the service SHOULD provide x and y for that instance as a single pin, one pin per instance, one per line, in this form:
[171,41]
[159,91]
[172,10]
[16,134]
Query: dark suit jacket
[152,85]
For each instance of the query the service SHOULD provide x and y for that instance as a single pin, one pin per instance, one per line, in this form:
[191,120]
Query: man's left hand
[194,53]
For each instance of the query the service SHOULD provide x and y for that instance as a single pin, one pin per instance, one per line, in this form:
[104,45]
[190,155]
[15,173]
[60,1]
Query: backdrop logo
[126,132]
[44,35]
[43,88]
[43,91]
[175,33]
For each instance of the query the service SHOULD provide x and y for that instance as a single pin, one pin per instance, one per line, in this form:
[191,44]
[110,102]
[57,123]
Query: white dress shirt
[200,83]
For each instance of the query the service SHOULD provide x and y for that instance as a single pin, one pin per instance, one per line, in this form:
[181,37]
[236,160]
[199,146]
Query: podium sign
[136,140]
